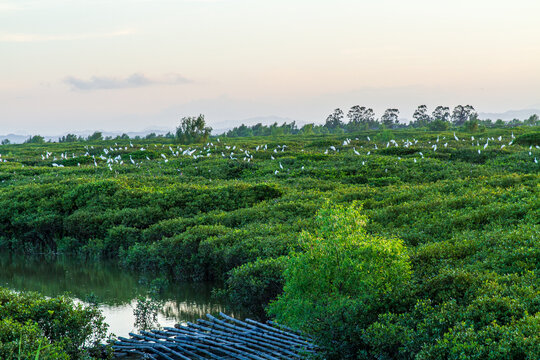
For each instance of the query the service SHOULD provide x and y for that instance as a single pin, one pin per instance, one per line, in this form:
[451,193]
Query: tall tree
[68,138]
[532,120]
[461,114]
[193,129]
[36,139]
[95,136]
[390,118]
[441,113]
[360,118]
[421,116]
[334,120]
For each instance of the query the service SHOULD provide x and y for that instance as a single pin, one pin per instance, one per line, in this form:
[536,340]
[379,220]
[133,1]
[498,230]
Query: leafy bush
[528,139]
[341,281]
[252,286]
[60,328]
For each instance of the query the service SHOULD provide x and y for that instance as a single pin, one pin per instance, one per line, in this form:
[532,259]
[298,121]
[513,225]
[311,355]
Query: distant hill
[13,138]
[20,138]
[510,115]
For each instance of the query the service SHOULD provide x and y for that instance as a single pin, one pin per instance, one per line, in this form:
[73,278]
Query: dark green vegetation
[467,218]
[363,118]
[193,129]
[32,326]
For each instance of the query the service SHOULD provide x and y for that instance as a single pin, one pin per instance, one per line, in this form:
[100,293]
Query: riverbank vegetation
[453,215]
[35,327]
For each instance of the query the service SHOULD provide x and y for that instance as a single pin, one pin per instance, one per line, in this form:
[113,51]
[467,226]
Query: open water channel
[121,295]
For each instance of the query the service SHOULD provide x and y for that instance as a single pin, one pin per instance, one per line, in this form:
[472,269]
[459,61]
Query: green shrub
[25,341]
[528,139]
[518,340]
[167,228]
[342,281]
[252,286]
[63,329]
[120,237]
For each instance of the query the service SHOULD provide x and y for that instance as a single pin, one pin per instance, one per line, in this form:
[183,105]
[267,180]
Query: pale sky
[129,65]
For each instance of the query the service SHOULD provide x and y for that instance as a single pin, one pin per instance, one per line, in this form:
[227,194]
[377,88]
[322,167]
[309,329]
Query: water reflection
[146,313]
[127,302]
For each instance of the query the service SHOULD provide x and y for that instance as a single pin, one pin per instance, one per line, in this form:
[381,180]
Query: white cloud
[132,81]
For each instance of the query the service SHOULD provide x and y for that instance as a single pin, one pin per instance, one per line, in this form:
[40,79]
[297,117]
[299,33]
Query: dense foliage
[193,129]
[363,118]
[52,328]
[465,206]
[341,281]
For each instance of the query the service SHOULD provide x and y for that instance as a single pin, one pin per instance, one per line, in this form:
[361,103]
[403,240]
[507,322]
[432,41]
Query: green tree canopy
[193,129]
[421,116]
[341,281]
[36,139]
[441,113]
[462,114]
[68,138]
[360,118]
[96,136]
[335,119]
[390,118]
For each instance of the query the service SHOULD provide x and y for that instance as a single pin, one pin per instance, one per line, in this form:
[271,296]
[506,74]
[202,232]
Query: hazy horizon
[81,65]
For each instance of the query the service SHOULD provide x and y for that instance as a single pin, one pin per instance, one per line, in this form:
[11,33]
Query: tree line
[194,129]
[96,136]
[363,118]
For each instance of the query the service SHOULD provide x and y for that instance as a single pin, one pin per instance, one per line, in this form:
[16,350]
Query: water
[118,293]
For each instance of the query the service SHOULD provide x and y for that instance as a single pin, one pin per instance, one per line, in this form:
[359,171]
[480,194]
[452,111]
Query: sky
[130,65]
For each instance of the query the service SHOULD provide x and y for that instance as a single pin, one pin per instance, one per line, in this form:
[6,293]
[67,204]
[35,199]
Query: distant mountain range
[18,139]
[13,138]
[510,115]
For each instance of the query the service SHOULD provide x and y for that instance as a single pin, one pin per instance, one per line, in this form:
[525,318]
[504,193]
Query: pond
[121,295]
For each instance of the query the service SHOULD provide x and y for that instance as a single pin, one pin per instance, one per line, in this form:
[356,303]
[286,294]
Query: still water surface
[117,292]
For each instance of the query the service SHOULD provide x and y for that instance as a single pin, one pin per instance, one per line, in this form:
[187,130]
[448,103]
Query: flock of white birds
[233,152]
